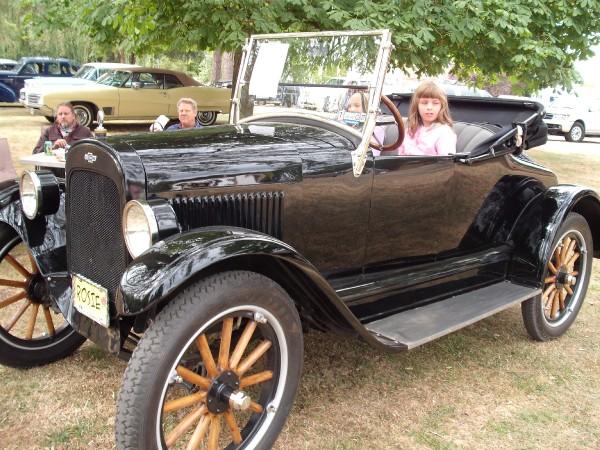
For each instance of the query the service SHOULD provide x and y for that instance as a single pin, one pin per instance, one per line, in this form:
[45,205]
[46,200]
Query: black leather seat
[470,135]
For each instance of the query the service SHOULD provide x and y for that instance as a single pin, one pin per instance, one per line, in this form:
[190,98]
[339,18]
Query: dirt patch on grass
[486,386]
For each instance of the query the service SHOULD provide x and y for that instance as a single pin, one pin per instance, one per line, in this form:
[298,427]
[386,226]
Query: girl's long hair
[427,89]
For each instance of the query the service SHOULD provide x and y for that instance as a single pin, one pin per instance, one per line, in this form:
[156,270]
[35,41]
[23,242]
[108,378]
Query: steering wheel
[399,123]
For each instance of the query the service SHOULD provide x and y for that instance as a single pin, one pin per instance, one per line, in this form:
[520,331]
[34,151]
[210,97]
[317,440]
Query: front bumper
[40,110]
[556,126]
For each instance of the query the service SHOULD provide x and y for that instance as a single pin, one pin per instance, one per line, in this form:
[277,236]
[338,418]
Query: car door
[143,96]
[429,230]
[592,120]
[172,86]
[409,209]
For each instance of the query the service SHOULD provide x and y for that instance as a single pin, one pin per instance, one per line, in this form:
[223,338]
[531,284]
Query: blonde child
[429,131]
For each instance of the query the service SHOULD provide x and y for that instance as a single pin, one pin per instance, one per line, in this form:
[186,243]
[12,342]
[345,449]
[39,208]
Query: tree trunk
[216,65]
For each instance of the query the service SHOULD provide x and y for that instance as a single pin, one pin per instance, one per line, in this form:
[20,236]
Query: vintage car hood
[39,82]
[7,72]
[72,92]
[227,155]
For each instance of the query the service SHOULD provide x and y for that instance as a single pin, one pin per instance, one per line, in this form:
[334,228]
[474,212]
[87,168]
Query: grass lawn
[487,386]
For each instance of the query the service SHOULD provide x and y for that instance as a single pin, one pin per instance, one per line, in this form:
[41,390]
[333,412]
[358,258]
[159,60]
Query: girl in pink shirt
[429,130]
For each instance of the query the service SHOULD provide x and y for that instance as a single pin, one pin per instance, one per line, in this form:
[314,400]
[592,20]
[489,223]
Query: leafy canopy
[534,42]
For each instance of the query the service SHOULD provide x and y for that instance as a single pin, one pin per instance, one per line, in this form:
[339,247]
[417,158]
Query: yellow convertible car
[139,93]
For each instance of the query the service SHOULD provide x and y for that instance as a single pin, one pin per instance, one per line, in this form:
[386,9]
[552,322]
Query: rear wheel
[32,332]
[576,133]
[207,118]
[219,366]
[84,113]
[565,282]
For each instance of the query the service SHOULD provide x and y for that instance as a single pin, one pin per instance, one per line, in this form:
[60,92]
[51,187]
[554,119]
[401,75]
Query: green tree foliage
[533,41]
[18,38]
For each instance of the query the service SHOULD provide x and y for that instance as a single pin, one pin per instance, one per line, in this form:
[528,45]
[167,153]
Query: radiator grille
[33,99]
[260,211]
[95,243]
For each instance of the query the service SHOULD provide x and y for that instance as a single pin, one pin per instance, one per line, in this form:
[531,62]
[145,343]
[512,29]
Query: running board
[414,327]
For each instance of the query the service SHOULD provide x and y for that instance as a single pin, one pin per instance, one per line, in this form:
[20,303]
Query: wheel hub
[37,289]
[563,277]
[224,393]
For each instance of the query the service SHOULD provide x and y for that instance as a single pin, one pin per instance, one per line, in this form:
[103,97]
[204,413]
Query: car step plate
[420,325]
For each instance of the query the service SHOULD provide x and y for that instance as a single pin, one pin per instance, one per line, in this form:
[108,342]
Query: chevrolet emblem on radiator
[90,157]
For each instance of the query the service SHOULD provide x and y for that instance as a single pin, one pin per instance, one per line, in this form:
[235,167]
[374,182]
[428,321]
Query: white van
[573,117]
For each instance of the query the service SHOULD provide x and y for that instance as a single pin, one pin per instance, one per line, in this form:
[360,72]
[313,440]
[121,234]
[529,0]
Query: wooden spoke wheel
[218,369]
[31,331]
[565,281]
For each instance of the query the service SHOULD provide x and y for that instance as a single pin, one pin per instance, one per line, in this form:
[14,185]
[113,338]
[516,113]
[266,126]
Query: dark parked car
[210,250]
[30,67]
[7,64]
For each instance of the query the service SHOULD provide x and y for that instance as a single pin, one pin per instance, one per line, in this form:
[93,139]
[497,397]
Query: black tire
[549,315]
[49,118]
[46,343]
[85,114]
[156,373]
[576,133]
[207,118]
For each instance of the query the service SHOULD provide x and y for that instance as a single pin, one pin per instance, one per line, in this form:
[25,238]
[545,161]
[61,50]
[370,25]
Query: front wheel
[207,118]
[220,365]
[576,133]
[31,332]
[565,282]
[84,114]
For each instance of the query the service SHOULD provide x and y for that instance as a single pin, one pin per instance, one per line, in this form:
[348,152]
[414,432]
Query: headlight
[140,228]
[31,194]
[40,193]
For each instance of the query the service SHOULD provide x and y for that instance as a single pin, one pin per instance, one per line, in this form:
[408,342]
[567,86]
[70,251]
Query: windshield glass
[85,72]
[116,78]
[565,102]
[330,75]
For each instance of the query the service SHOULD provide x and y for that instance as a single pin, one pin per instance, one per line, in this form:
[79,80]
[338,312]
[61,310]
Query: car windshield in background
[314,75]
[565,102]
[85,73]
[115,78]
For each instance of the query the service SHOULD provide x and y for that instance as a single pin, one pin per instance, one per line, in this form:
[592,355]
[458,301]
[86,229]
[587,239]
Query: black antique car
[207,252]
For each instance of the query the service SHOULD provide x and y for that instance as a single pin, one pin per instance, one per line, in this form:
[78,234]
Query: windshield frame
[381,62]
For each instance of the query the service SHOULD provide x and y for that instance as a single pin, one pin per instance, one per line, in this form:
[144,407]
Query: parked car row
[129,93]
[122,91]
[13,80]
[88,74]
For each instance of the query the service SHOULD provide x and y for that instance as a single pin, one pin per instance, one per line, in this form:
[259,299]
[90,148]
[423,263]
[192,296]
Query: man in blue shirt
[188,112]
[187,109]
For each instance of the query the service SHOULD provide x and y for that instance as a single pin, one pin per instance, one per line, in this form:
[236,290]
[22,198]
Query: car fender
[171,265]
[7,94]
[538,225]
[45,235]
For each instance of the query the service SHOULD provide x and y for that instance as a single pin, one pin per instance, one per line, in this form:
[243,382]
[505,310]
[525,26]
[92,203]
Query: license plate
[90,299]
